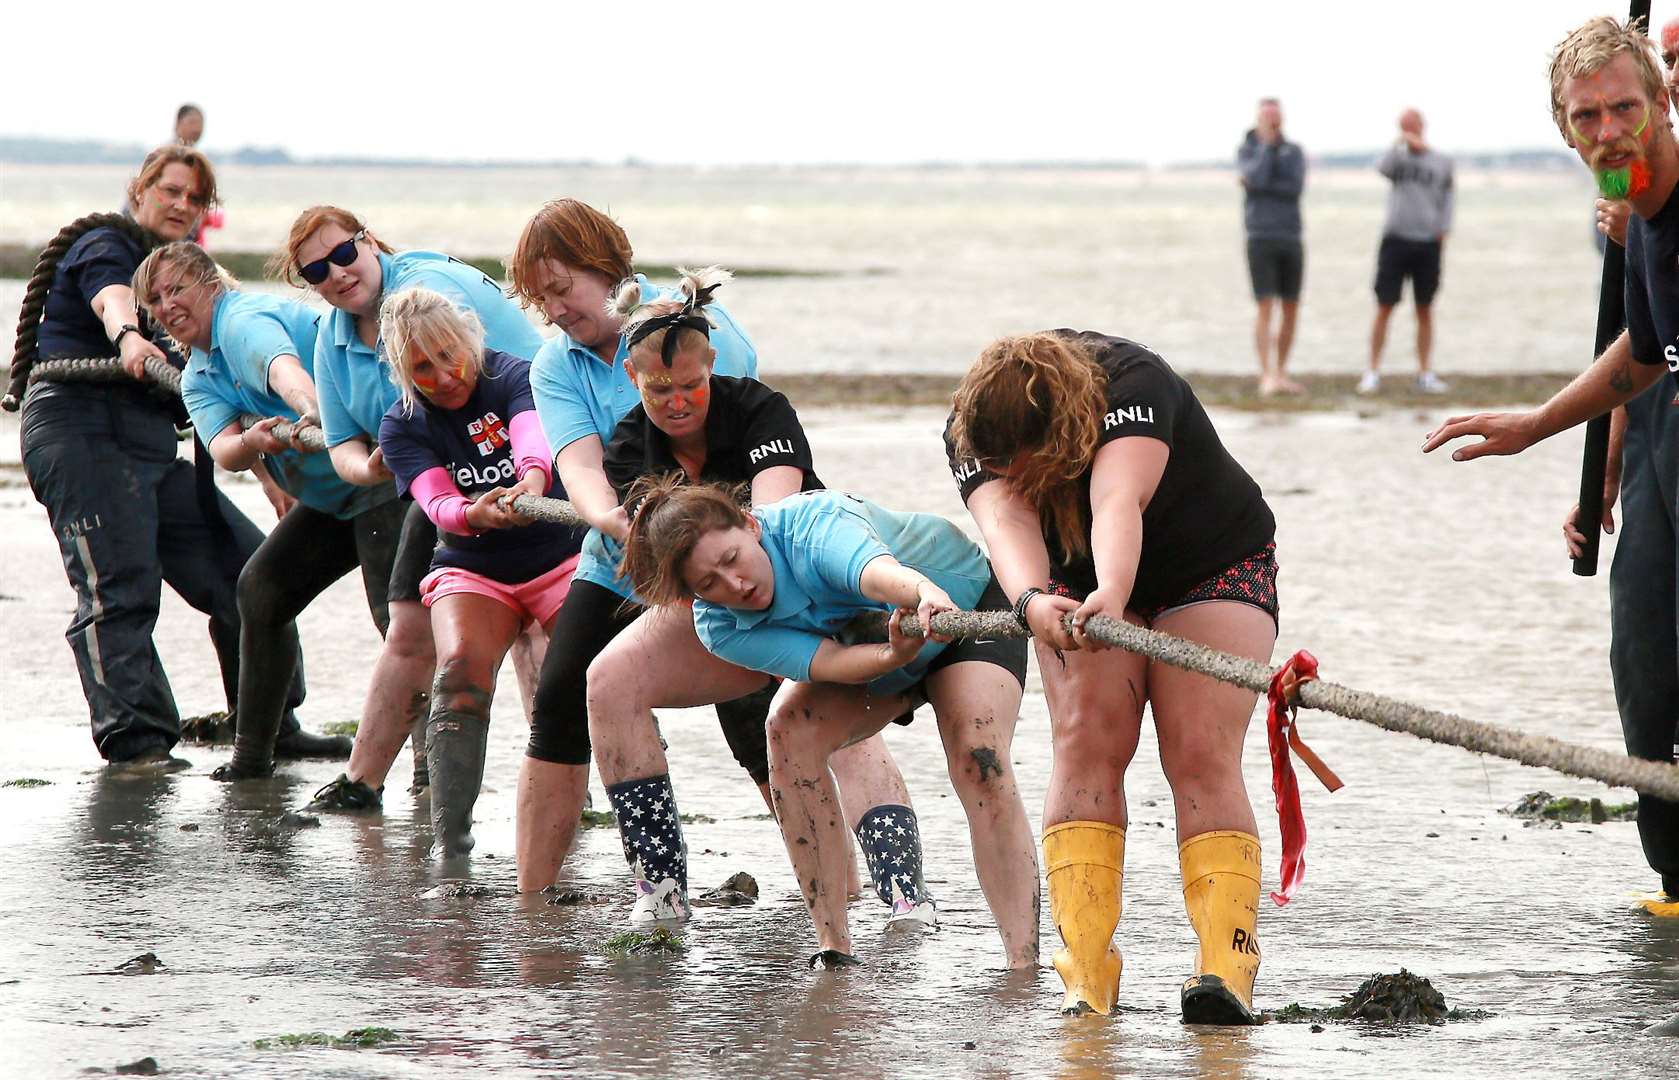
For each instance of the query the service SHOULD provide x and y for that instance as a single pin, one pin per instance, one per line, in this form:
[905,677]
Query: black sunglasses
[342,255]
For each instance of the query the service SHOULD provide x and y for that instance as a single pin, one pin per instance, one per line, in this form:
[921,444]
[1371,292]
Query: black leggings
[302,557]
[587,622]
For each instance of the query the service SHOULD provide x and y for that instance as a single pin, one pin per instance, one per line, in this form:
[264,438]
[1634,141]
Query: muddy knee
[458,689]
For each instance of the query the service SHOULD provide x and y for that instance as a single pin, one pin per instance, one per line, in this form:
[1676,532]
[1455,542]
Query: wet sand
[1437,582]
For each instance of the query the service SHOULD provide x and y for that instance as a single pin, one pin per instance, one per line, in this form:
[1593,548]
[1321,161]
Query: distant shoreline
[17,261]
[17,150]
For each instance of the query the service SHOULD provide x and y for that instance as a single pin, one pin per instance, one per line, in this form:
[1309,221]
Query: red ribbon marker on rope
[1283,735]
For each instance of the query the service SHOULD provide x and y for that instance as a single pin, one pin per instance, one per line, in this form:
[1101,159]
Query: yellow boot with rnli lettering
[1084,864]
[1221,894]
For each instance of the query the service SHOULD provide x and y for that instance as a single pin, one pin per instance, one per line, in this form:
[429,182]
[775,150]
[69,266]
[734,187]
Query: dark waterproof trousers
[307,551]
[129,516]
[1644,609]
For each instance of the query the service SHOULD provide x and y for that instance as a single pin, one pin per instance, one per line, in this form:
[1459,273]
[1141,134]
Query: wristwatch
[127,328]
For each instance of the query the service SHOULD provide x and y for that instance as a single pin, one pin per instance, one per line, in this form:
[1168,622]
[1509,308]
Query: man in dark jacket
[1273,172]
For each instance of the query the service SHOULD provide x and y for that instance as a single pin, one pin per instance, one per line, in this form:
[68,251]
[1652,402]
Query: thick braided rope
[542,508]
[102,369]
[1647,777]
[309,437]
[40,283]
[109,369]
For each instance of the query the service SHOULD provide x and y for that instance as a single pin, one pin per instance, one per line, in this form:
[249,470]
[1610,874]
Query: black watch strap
[1020,603]
[127,328]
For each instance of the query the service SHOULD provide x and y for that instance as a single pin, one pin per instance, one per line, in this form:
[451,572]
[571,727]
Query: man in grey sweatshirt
[1273,172]
[1419,214]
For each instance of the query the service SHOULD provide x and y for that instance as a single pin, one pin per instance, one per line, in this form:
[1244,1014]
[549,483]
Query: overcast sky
[723,82]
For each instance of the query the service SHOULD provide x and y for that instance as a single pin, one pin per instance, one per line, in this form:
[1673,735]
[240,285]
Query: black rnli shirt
[748,428]
[1652,286]
[1207,512]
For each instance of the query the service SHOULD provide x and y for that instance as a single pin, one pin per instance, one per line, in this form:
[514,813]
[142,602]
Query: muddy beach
[1408,575]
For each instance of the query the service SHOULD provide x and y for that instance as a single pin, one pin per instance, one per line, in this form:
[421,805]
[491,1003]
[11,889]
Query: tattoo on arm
[1620,379]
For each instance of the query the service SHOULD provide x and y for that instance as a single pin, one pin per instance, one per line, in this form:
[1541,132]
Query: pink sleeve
[530,447]
[442,501]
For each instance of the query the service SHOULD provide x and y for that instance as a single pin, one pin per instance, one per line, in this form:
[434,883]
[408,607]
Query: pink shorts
[537,599]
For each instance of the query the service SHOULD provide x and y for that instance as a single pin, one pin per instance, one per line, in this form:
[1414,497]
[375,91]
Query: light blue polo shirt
[247,332]
[818,543]
[578,395]
[354,386]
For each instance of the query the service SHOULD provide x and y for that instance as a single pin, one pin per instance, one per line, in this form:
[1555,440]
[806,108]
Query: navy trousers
[1643,613]
[129,516]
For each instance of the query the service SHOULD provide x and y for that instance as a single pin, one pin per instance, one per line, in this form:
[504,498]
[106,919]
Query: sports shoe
[908,916]
[656,904]
[1430,383]
[1370,382]
[346,795]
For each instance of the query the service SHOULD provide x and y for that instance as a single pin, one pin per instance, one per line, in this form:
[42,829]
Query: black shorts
[413,555]
[1008,653]
[1399,259]
[1276,267]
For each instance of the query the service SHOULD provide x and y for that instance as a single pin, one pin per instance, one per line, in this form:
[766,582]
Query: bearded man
[1609,100]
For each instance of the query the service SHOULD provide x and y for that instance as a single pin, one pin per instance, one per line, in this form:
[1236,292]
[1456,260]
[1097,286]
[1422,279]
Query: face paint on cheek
[426,384]
[700,396]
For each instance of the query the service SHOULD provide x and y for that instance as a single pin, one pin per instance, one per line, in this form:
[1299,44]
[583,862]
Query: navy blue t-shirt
[99,259]
[1652,286]
[474,443]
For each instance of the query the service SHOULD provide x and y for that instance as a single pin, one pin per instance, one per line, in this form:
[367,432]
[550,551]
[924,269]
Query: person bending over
[1101,488]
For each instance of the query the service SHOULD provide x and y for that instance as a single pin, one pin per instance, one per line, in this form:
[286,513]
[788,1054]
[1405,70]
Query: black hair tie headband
[687,317]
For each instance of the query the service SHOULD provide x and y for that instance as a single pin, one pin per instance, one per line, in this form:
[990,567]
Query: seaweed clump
[354,1039]
[1385,999]
[634,943]
[1543,806]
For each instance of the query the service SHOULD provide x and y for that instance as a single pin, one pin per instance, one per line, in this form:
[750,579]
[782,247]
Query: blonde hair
[169,154]
[194,264]
[671,516]
[420,320]
[283,266]
[1034,402]
[696,288]
[571,232]
[1592,46]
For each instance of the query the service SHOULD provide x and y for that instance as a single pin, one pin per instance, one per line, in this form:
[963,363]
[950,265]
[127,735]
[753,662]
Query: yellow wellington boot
[1221,893]
[1084,863]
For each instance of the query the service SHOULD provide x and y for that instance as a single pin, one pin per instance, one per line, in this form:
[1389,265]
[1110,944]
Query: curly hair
[283,266]
[1032,405]
[671,515]
[1591,47]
